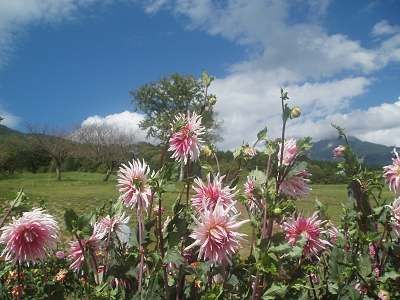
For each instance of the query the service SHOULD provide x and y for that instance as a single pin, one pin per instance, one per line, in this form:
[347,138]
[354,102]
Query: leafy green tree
[162,100]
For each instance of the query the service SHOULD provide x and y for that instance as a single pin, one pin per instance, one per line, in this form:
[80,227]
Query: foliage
[292,256]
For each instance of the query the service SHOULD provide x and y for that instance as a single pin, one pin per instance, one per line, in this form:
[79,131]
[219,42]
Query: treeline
[22,153]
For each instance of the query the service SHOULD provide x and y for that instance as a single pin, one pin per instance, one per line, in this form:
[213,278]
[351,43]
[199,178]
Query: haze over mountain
[371,153]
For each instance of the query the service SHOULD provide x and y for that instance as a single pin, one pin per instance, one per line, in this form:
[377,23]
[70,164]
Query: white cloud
[9,119]
[247,103]
[126,122]
[323,71]
[153,6]
[384,28]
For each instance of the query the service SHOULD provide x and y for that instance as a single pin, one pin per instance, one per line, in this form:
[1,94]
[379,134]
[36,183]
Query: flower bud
[295,112]
[383,295]
[207,151]
[277,211]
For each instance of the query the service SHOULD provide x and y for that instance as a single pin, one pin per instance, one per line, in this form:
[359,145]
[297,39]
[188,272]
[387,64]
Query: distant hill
[4,130]
[372,154]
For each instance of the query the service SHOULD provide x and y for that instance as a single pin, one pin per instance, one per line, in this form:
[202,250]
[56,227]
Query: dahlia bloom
[395,207]
[249,152]
[133,186]
[215,234]
[338,151]
[77,255]
[117,224]
[184,142]
[296,186]
[210,193]
[29,238]
[249,189]
[333,233]
[290,152]
[309,228]
[392,173]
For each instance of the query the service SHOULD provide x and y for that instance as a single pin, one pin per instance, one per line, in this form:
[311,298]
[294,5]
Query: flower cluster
[29,238]
[311,229]
[215,234]
[296,185]
[186,138]
[249,191]
[392,173]
[211,192]
[290,152]
[133,184]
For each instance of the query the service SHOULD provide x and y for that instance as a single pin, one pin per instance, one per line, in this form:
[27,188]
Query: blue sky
[71,61]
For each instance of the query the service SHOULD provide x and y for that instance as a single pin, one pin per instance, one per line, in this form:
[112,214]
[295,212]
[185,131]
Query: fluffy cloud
[9,119]
[384,28]
[301,56]
[249,103]
[126,122]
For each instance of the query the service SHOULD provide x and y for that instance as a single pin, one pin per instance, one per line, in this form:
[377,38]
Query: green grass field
[85,191]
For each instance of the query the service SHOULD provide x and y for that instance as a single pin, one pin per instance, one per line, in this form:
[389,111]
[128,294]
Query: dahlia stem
[161,246]
[96,274]
[217,162]
[187,184]
[19,279]
[141,250]
[312,286]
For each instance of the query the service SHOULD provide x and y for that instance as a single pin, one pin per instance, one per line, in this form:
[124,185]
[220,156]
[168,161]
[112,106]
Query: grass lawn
[85,191]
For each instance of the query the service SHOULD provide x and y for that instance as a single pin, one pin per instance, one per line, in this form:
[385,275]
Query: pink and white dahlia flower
[184,143]
[29,238]
[77,249]
[338,151]
[290,152]
[311,229]
[215,234]
[133,184]
[392,174]
[117,224]
[249,152]
[249,190]
[395,208]
[296,185]
[208,194]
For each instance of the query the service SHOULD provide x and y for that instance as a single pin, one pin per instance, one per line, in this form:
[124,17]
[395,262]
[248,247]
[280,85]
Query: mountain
[374,155]
[4,130]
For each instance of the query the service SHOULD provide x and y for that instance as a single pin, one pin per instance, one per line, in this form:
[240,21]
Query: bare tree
[106,144]
[54,142]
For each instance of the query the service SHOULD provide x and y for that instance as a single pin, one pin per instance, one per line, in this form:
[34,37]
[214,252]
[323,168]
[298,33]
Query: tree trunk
[58,172]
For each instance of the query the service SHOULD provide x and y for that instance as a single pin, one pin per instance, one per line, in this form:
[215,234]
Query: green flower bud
[295,112]
[277,211]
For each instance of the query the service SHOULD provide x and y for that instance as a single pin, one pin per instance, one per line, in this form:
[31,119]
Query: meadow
[83,192]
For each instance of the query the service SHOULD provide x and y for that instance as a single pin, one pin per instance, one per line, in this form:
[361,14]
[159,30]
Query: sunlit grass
[86,191]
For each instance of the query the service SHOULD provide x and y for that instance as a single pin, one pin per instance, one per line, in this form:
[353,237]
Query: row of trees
[101,147]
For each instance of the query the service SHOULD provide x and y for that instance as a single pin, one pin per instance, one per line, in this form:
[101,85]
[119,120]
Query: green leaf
[173,256]
[259,177]
[262,134]
[392,275]
[276,290]
[71,219]
[365,266]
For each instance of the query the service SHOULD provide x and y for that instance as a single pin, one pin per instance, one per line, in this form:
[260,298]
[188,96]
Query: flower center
[29,236]
[137,183]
